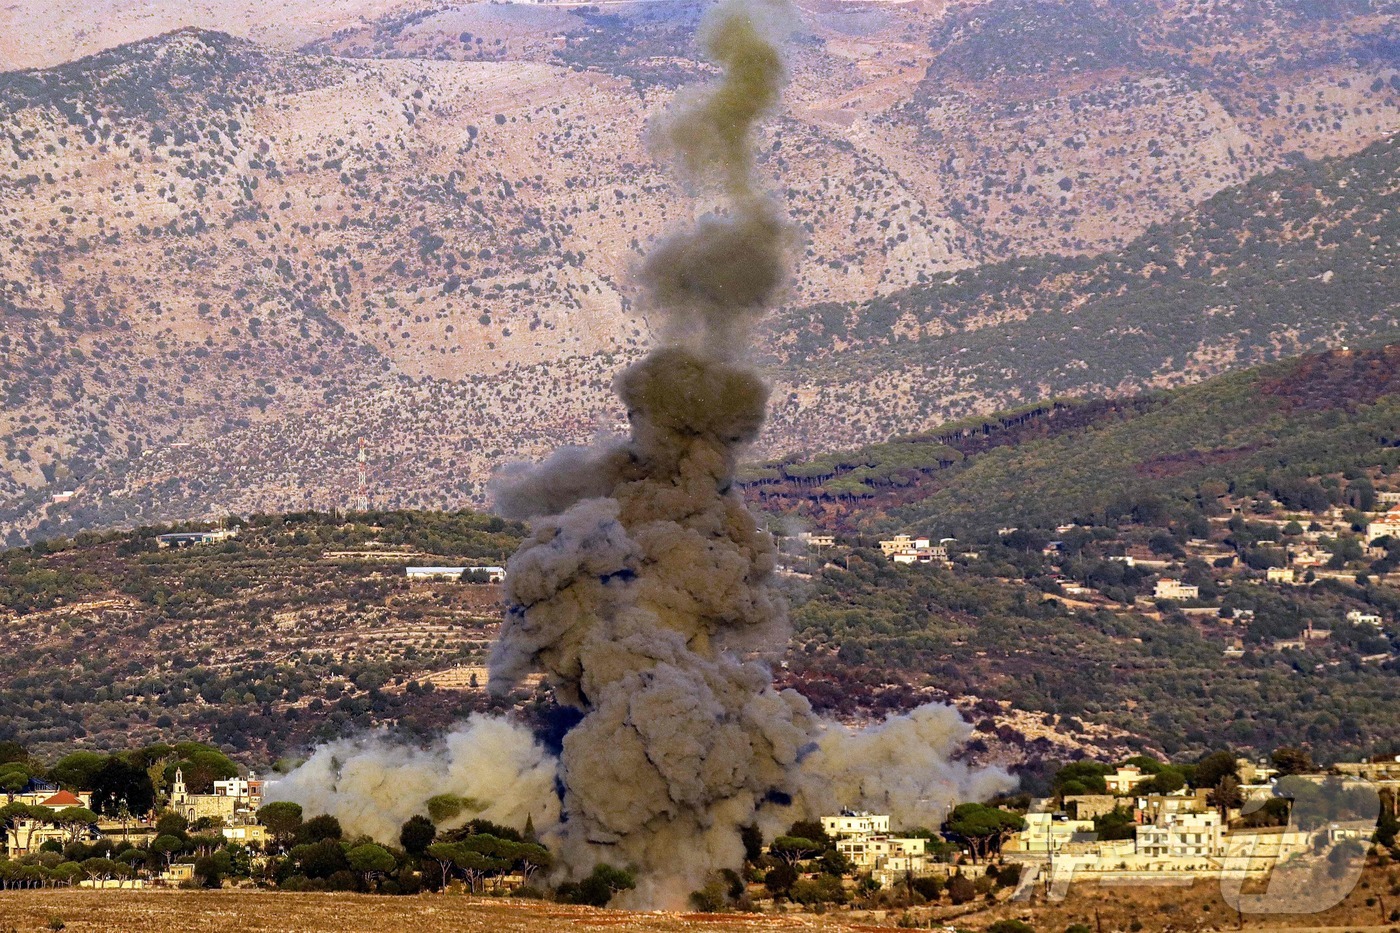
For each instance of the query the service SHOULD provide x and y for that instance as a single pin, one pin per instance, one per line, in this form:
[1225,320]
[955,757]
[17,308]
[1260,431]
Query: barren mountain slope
[220,262]
[45,33]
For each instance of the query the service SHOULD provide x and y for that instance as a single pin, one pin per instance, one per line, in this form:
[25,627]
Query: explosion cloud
[646,591]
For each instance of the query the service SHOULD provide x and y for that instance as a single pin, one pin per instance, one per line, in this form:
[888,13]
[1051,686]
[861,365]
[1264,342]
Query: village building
[1153,808]
[817,540]
[1357,617]
[1182,835]
[1307,557]
[29,834]
[1280,575]
[177,873]
[1088,806]
[1386,526]
[1381,768]
[1304,640]
[1167,588]
[865,840]
[491,573]
[234,801]
[903,549]
[246,834]
[192,538]
[1048,832]
[897,544]
[1122,781]
[856,823]
[873,851]
[1255,772]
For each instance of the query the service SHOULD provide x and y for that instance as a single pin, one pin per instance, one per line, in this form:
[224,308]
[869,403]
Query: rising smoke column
[645,576]
[646,591]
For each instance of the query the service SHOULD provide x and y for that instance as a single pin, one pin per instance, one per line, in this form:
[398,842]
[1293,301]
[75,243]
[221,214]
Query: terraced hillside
[301,627]
[223,261]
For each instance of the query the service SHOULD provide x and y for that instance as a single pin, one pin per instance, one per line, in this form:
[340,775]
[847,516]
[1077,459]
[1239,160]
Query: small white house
[493,574]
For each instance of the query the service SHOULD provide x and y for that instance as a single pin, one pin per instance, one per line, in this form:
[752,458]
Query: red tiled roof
[62,799]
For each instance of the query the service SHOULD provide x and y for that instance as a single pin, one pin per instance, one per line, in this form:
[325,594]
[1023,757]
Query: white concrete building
[1388,525]
[858,823]
[1182,835]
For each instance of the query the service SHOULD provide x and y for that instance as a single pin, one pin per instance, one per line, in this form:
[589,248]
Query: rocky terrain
[226,255]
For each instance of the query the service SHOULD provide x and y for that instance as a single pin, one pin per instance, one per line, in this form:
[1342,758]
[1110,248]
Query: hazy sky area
[40,34]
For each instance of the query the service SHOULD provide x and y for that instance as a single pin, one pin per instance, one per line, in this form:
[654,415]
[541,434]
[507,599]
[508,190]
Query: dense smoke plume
[645,592]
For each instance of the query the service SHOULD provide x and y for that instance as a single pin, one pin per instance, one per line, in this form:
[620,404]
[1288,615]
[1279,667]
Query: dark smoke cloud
[646,591]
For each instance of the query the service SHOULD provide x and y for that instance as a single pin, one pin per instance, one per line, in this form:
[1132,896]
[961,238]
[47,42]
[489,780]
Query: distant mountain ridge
[221,262]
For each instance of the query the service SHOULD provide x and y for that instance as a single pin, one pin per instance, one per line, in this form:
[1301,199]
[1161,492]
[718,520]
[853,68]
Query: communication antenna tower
[362,492]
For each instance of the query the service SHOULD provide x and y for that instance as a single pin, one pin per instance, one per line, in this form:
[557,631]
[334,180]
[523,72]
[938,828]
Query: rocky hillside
[222,261]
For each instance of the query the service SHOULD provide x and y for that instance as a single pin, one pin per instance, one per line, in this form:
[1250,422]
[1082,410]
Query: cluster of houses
[232,806]
[867,843]
[1175,835]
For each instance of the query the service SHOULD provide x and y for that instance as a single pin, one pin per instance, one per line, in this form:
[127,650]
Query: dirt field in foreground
[288,912]
[1186,909]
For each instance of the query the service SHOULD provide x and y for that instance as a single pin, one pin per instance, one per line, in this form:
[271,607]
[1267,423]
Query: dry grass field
[1107,909]
[264,912]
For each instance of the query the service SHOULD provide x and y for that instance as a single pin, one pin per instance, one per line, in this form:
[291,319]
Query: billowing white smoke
[372,785]
[903,767]
[645,592]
